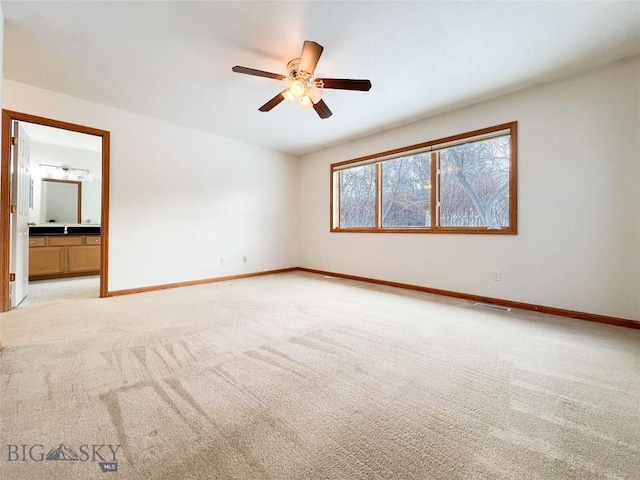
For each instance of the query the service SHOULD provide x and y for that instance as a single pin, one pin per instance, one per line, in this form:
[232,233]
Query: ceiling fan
[302,84]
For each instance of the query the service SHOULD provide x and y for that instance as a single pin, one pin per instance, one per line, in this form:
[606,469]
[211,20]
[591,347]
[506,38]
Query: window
[406,191]
[460,184]
[358,197]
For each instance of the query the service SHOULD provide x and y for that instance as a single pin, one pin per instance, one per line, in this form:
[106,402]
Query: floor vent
[495,307]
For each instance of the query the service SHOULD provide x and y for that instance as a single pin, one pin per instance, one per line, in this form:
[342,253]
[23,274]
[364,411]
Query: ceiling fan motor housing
[293,66]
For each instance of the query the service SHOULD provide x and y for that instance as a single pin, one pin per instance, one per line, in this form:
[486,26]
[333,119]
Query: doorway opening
[54,205]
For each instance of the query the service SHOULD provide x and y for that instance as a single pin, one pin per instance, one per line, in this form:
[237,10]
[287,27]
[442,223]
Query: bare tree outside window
[474,184]
[358,197]
[406,191]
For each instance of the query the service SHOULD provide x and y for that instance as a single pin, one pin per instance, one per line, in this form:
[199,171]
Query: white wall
[578,182]
[72,157]
[180,199]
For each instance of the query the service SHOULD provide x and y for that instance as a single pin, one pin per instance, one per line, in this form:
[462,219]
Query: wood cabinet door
[85,258]
[46,261]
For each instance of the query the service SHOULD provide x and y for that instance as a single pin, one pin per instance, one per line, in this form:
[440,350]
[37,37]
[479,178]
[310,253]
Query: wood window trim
[378,158]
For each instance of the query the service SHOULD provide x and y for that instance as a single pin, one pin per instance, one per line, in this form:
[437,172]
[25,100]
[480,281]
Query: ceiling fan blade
[322,110]
[346,84]
[311,52]
[273,102]
[257,73]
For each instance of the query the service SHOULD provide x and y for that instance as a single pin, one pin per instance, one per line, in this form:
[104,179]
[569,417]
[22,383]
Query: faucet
[65,229]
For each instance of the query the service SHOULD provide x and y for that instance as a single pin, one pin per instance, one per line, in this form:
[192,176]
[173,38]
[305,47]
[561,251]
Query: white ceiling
[172,60]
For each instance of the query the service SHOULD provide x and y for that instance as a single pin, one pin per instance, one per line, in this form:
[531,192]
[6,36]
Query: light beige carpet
[298,376]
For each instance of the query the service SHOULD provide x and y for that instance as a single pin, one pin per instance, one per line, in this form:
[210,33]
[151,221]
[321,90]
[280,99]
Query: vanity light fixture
[64,172]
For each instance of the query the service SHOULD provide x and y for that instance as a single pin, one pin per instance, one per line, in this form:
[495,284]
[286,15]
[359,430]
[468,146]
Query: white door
[20,200]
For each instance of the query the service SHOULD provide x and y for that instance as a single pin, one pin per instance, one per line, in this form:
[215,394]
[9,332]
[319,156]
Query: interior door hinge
[14,140]
[14,208]
[12,277]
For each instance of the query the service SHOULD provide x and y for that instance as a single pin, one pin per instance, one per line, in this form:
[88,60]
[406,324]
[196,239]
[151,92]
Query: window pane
[406,191]
[358,197]
[474,184]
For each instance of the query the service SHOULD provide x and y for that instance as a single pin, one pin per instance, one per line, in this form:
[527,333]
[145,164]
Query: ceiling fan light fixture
[298,88]
[305,102]
[288,96]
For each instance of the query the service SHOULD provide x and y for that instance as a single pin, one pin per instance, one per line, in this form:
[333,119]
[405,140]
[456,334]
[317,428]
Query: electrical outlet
[244,259]
[221,260]
[497,275]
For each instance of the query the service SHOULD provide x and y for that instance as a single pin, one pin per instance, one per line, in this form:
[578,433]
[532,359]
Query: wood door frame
[5,214]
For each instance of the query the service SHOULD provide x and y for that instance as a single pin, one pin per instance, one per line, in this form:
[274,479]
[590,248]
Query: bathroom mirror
[61,201]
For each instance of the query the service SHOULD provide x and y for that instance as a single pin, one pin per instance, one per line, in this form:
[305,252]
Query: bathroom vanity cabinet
[63,256]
